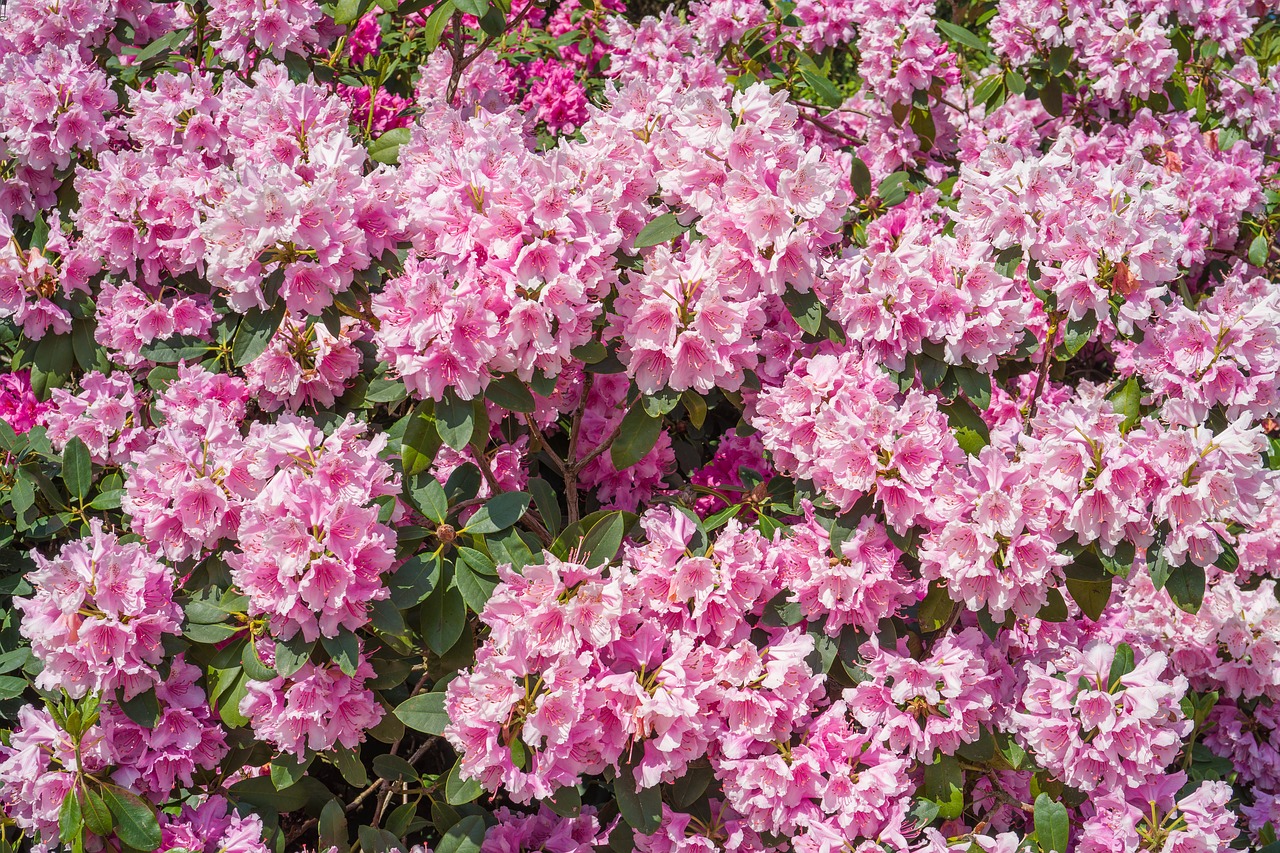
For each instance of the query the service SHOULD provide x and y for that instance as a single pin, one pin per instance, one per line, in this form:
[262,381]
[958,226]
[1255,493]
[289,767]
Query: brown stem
[1055,318]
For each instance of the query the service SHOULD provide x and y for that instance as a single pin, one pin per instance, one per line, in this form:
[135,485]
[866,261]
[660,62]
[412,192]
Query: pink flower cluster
[311,549]
[98,616]
[1096,730]
[841,421]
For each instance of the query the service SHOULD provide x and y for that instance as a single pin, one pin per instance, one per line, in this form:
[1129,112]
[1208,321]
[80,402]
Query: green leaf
[346,12]
[253,665]
[638,434]
[603,540]
[476,587]
[291,654]
[414,580]
[1259,250]
[1186,586]
[444,617]
[1051,98]
[427,496]
[434,27]
[957,33]
[344,649]
[975,385]
[1053,827]
[393,768]
[77,468]
[287,770]
[135,821]
[97,817]
[944,785]
[209,633]
[421,440]
[1091,595]
[566,802]
[465,836]
[255,332]
[472,7]
[39,232]
[511,394]
[860,178]
[548,504]
[805,309]
[455,421]
[970,430]
[828,93]
[686,790]
[1078,333]
[1121,665]
[176,348]
[333,825]
[640,808]
[424,713]
[373,840]
[1055,608]
[661,229]
[695,406]
[1059,59]
[1127,400]
[386,148]
[498,513]
[893,189]
[458,791]
[350,766]
[143,709]
[936,608]
[70,819]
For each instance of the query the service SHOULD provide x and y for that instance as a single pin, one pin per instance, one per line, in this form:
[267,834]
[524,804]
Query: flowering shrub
[496,426]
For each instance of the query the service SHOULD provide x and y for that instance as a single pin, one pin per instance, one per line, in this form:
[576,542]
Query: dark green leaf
[944,785]
[1121,665]
[97,817]
[77,468]
[936,608]
[424,713]
[427,496]
[1186,586]
[287,770]
[255,332]
[143,709]
[511,394]
[333,825]
[498,513]
[176,348]
[661,229]
[603,540]
[394,768]
[860,178]
[474,586]
[826,91]
[975,385]
[135,821]
[1053,827]
[465,836]
[421,440]
[414,580]
[457,791]
[957,33]
[386,148]
[638,434]
[444,616]
[70,819]
[640,808]
[455,421]
[344,649]
[805,309]
[291,654]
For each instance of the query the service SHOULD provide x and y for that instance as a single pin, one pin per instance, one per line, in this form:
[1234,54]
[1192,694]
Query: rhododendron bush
[489,426]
